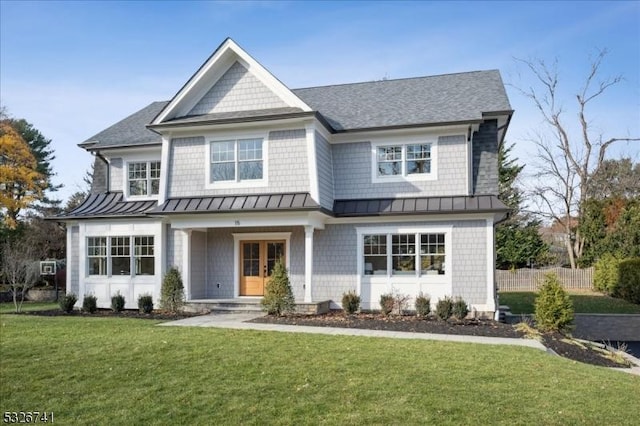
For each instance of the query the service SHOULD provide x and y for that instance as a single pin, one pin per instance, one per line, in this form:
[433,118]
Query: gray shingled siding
[198,265]
[174,248]
[334,262]
[287,167]
[115,168]
[74,264]
[220,258]
[470,261]
[325,171]
[353,170]
[99,181]
[485,158]
[237,90]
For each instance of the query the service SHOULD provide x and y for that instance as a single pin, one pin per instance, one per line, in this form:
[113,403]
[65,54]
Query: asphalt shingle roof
[449,98]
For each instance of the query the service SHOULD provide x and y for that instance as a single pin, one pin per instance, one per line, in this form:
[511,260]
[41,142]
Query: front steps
[250,305]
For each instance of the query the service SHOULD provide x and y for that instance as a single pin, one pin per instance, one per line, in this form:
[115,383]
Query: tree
[567,162]
[517,239]
[19,268]
[172,293]
[278,296]
[616,178]
[21,183]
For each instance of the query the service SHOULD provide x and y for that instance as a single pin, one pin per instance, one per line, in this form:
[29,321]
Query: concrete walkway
[238,321]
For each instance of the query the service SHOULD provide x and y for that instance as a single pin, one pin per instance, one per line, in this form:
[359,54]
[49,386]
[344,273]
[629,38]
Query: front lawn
[129,371]
[584,303]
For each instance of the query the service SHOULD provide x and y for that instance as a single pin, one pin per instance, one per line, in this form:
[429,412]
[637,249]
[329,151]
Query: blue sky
[74,68]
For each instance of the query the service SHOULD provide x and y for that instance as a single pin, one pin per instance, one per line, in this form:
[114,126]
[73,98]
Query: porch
[244,304]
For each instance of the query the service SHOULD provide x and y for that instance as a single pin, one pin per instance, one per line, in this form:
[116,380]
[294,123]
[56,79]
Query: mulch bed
[578,352]
[127,313]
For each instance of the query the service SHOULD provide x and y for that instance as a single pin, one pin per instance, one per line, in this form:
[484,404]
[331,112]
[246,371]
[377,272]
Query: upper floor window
[236,160]
[403,160]
[144,178]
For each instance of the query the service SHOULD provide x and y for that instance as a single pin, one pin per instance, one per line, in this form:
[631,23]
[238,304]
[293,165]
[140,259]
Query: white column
[308,262]
[164,170]
[186,262]
[491,267]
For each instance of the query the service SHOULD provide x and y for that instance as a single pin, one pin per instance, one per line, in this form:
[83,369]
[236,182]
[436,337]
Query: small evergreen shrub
[459,309]
[350,302]
[553,307]
[444,308]
[90,304]
[172,293]
[67,302]
[423,305]
[117,302]
[629,280]
[387,301]
[605,276]
[278,296]
[145,303]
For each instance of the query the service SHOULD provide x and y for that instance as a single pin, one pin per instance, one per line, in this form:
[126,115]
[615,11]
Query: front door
[257,259]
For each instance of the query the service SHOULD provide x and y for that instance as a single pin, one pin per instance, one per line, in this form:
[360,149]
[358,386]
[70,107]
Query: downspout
[98,155]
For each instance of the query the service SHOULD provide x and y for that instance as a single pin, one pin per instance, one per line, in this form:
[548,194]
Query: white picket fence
[530,279]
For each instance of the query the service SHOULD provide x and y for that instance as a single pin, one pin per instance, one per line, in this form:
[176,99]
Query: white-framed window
[405,253]
[236,160]
[97,255]
[119,255]
[411,160]
[143,178]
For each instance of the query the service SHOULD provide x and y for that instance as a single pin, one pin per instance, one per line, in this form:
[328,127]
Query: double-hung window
[119,255]
[414,254]
[237,160]
[410,160]
[143,178]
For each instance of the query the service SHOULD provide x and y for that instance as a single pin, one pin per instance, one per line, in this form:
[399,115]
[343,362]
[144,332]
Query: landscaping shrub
[553,307]
[172,293]
[387,301]
[350,302]
[423,305]
[444,308]
[145,303]
[67,302]
[278,296]
[90,304]
[459,309]
[401,302]
[605,276]
[629,280]
[117,302]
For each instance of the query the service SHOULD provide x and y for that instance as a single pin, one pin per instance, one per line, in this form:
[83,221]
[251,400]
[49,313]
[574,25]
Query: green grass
[9,307]
[583,303]
[104,371]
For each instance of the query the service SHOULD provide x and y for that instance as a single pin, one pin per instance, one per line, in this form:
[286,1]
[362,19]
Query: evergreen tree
[278,296]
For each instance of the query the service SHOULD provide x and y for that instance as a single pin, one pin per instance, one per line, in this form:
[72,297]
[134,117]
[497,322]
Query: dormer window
[404,161]
[143,178]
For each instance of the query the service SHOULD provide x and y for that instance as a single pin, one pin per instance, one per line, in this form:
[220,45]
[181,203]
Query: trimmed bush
[444,308]
[117,302]
[459,309]
[278,296]
[145,303]
[605,276]
[67,302]
[629,280]
[387,302]
[90,304]
[553,307]
[172,293]
[350,302]
[423,305]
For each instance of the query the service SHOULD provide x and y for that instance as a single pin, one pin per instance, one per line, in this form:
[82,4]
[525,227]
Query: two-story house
[375,187]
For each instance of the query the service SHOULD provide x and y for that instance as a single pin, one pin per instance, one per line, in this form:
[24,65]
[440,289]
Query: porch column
[308,262]
[186,262]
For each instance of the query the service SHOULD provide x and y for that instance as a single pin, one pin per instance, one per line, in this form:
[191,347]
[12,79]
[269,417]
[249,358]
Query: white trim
[235,136]
[403,176]
[211,71]
[186,262]
[469,164]
[249,236]
[164,171]
[141,158]
[409,218]
[243,220]
[69,256]
[408,133]
[312,160]
[491,265]
[308,263]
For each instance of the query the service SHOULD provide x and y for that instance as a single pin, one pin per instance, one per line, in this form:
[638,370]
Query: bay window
[119,255]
